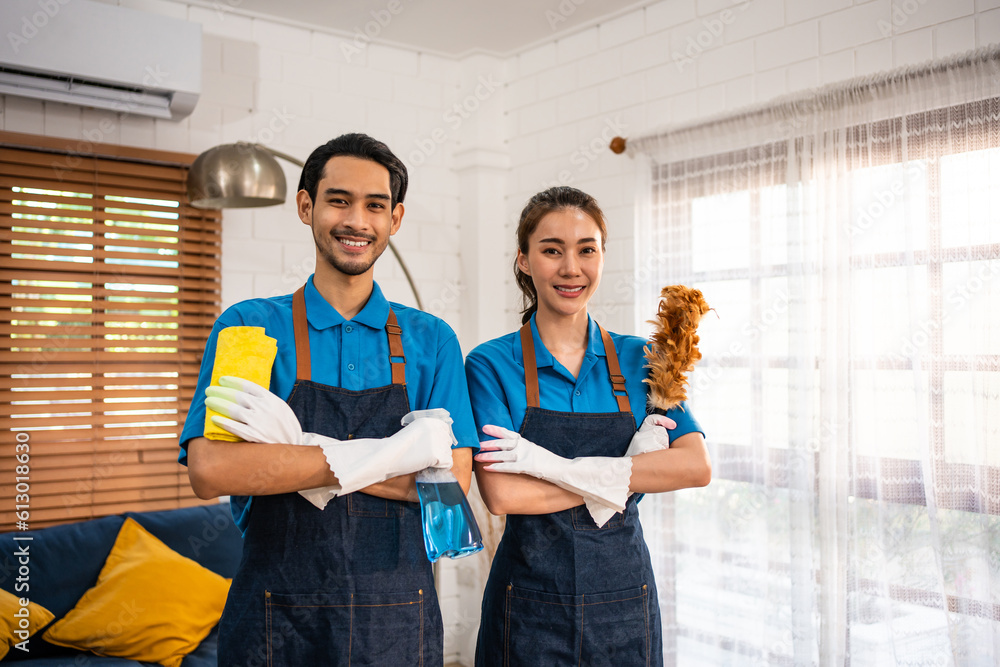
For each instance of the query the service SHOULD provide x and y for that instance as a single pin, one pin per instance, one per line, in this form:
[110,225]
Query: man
[349,582]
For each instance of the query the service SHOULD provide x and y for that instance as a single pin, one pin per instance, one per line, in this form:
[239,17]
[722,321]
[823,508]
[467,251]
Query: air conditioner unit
[98,55]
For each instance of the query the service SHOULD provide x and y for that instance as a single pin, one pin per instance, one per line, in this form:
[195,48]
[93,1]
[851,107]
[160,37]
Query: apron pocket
[345,628]
[616,628]
[583,521]
[540,628]
[362,504]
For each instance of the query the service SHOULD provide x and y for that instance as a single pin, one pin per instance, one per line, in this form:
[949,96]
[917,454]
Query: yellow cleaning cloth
[244,352]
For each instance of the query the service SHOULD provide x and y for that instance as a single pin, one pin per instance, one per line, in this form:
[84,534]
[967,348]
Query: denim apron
[346,585]
[562,591]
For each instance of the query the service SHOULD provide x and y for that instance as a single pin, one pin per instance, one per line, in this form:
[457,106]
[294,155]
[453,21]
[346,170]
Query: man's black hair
[360,146]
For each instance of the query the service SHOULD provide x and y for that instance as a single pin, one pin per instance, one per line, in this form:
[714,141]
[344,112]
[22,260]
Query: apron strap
[302,362]
[530,368]
[394,331]
[617,379]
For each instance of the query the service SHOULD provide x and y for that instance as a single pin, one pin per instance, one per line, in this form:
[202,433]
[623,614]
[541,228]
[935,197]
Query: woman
[565,589]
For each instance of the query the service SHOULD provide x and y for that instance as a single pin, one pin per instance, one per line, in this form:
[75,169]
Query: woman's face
[565,261]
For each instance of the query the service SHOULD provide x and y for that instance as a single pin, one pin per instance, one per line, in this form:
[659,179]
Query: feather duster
[673,349]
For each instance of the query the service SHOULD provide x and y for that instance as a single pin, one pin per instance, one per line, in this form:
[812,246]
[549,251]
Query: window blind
[109,286]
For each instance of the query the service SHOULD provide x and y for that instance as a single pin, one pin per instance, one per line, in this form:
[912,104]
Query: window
[108,290]
[850,387]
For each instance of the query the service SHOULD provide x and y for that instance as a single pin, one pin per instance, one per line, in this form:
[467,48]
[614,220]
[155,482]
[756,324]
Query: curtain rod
[817,97]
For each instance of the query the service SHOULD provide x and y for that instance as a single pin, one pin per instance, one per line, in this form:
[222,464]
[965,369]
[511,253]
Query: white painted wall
[524,122]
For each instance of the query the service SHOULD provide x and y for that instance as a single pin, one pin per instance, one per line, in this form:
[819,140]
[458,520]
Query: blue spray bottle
[450,529]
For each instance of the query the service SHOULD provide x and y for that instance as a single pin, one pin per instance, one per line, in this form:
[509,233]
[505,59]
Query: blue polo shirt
[351,354]
[495,371]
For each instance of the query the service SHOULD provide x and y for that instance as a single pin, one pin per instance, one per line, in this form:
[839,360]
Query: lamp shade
[237,175]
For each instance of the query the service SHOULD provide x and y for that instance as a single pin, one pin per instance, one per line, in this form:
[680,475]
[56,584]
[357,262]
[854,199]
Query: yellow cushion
[13,619]
[149,603]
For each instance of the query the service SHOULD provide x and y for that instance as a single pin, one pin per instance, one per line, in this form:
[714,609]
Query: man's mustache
[358,235]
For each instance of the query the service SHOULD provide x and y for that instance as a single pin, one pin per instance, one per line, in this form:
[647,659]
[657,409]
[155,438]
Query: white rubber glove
[602,478]
[651,437]
[423,443]
[256,415]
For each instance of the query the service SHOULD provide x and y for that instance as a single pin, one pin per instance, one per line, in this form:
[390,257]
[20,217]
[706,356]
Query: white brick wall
[808,9]
[854,26]
[536,59]
[750,19]
[621,30]
[789,45]
[575,46]
[667,14]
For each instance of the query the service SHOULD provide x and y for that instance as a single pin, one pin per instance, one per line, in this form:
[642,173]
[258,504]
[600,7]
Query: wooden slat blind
[109,286]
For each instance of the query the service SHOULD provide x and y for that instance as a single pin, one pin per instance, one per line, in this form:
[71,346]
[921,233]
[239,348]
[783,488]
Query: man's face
[351,219]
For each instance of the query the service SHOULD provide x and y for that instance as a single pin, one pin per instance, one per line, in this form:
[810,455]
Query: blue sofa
[65,562]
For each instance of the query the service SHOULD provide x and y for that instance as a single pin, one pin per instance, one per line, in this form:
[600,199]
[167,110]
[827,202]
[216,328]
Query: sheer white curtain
[849,242]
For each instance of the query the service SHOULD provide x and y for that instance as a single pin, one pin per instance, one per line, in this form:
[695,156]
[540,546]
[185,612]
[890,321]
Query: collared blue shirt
[351,354]
[495,371]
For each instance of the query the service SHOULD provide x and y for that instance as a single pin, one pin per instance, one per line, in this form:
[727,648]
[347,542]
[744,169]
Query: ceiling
[446,27]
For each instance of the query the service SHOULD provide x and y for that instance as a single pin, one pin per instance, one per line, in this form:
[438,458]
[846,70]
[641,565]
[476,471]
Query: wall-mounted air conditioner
[98,55]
